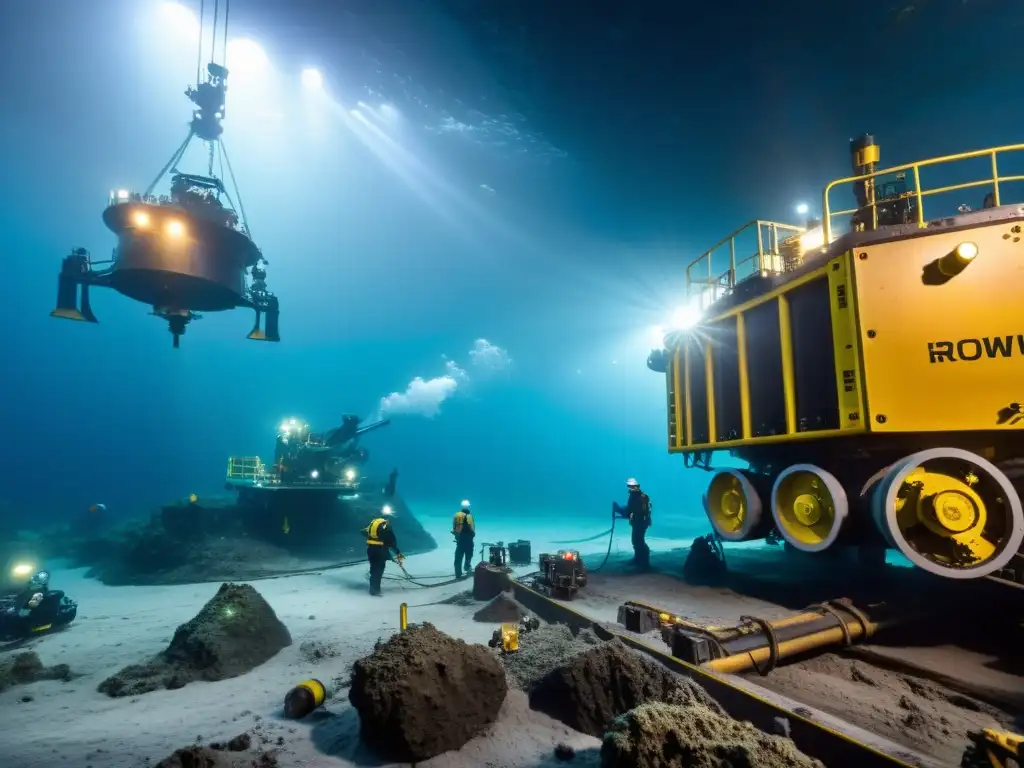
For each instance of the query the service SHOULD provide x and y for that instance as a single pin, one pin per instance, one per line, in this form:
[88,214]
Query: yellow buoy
[304,698]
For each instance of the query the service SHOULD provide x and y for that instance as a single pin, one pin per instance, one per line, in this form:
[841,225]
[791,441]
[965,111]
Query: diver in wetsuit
[380,540]
[464,530]
[638,512]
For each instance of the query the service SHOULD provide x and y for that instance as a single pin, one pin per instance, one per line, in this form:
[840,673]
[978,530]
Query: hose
[611,540]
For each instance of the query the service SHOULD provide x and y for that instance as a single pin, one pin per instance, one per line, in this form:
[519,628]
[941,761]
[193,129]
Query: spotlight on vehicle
[175,228]
[802,209]
[22,570]
[140,219]
[387,510]
[956,261]
[314,474]
[685,317]
[350,474]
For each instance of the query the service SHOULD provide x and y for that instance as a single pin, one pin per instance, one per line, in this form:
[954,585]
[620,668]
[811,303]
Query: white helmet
[632,483]
[465,504]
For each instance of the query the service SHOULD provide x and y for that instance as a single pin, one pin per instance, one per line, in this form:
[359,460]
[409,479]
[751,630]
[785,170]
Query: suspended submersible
[183,253]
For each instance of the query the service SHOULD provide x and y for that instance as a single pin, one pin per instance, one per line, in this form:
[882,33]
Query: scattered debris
[24,668]
[673,736]
[210,757]
[423,692]
[544,649]
[597,686]
[235,632]
[503,608]
[315,651]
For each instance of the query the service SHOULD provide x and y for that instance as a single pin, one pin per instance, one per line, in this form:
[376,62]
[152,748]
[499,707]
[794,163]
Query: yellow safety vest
[462,518]
[373,531]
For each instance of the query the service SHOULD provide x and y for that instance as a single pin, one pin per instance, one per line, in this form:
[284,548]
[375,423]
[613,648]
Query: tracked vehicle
[869,368]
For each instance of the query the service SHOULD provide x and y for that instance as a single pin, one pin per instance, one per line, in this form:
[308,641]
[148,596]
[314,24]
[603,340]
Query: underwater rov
[29,607]
[872,380]
[562,574]
[186,253]
[329,460]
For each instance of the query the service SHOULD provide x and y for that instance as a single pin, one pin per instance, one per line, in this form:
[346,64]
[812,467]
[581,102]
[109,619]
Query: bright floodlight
[658,336]
[312,79]
[802,209]
[246,58]
[180,20]
[685,317]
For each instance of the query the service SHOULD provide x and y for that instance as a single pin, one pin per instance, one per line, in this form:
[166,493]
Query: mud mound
[25,668]
[423,693]
[501,609]
[214,756]
[543,650]
[599,685]
[234,633]
[657,735]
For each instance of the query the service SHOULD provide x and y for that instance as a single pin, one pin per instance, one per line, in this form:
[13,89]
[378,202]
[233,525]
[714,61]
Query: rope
[199,55]
[238,190]
[773,644]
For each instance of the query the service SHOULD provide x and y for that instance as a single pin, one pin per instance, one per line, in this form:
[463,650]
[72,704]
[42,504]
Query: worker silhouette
[380,540]
[464,530]
[638,512]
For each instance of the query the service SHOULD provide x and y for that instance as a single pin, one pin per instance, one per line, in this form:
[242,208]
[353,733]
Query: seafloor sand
[72,724]
[52,723]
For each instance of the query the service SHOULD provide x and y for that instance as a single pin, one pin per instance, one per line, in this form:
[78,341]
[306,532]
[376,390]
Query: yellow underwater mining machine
[869,369]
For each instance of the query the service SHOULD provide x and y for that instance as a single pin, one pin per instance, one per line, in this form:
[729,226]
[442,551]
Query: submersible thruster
[183,253]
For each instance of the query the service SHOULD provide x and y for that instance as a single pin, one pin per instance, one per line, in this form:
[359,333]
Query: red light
[569,556]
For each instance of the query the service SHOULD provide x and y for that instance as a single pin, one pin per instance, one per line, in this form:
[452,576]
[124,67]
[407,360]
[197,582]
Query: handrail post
[918,195]
[995,180]
[760,250]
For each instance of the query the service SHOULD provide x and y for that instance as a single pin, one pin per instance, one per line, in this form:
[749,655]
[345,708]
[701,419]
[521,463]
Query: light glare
[246,58]
[180,20]
[685,317]
[802,209]
[312,79]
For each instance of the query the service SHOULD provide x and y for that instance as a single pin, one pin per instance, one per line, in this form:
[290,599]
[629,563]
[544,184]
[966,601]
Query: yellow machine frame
[863,289]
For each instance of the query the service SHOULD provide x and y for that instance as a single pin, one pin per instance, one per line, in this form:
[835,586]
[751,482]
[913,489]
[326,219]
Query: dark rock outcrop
[657,735]
[597,686]
[423,693]
[24,668]
[235,632]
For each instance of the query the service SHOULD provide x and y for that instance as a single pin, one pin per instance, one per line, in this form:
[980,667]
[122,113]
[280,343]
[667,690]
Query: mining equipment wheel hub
[733,505]
[954,511]
[807,509]
[950,512]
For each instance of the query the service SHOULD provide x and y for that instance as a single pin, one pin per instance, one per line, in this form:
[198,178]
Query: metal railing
[768,258]
[917,193]
[249,469]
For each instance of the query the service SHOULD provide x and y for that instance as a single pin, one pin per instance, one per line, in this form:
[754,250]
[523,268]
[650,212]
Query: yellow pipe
[744,376]
[741,662]
[797,618]
[709,385]
[681,434]
[686,389]
[403,616]
[788,373]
